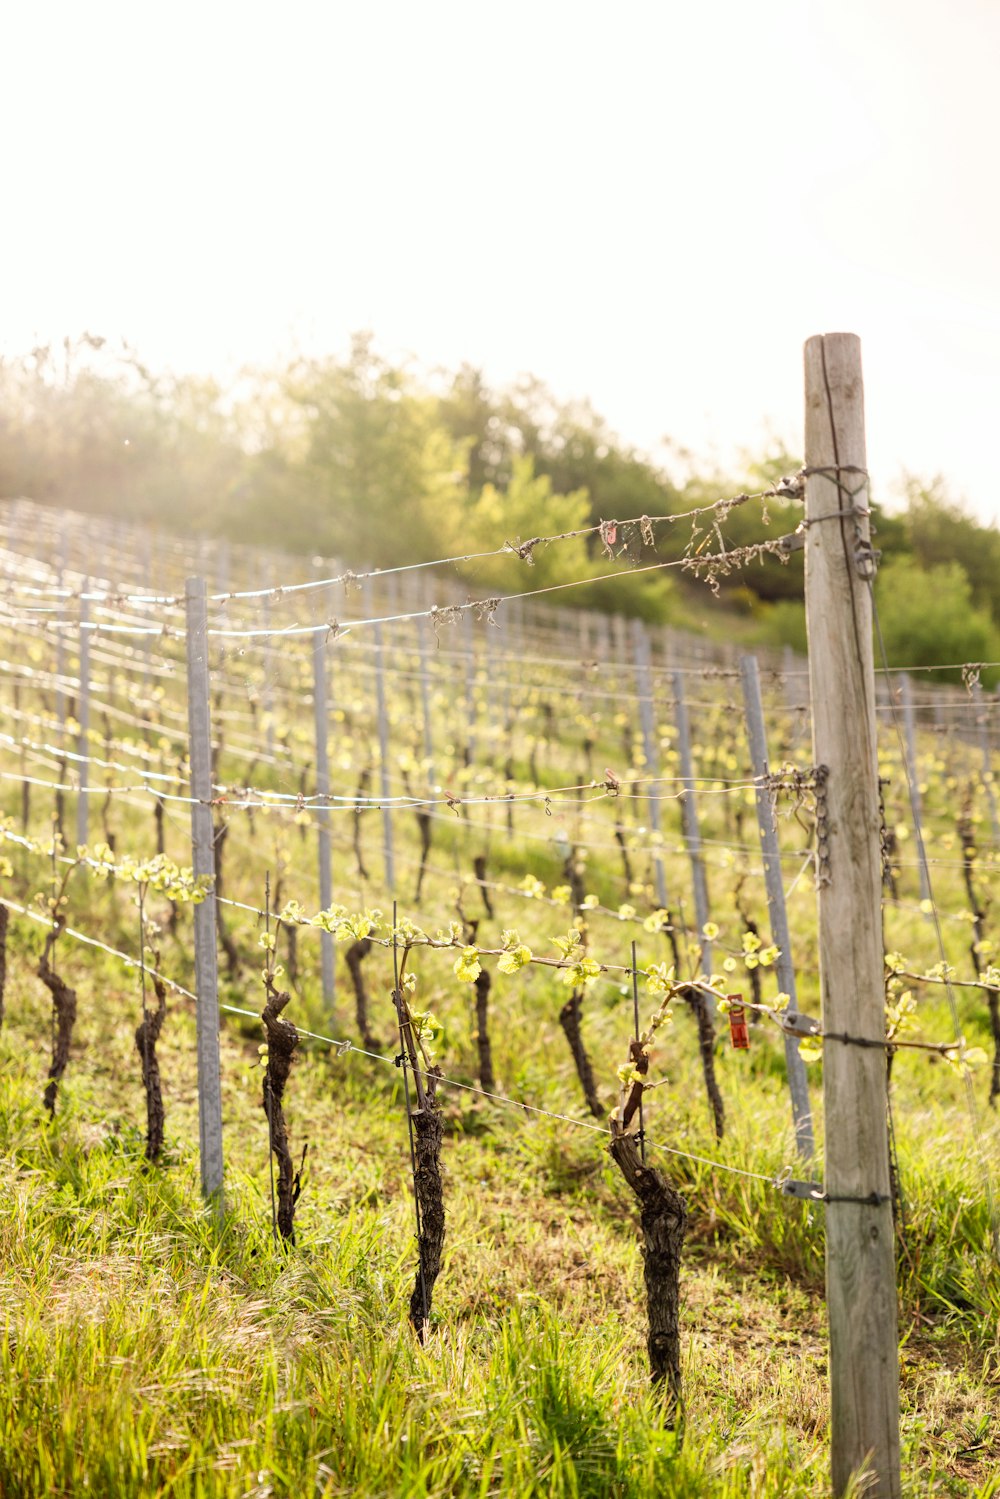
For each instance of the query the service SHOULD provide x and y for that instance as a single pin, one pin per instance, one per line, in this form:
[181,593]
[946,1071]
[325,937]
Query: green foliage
[87,425]
[370,470]
[938,530]
[568,442]
[928,618]
[783,623]
[527,508]
[769,579]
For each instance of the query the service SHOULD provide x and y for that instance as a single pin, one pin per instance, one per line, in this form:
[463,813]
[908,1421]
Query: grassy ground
[148,1350]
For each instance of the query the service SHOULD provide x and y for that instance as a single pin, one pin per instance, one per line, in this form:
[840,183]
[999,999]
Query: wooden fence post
[794,1065]
[203,861]
[321,723]
[860,1268]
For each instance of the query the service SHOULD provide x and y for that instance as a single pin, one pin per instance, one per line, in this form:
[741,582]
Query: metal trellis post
[83,715]
[797,1083]
[321,715]
[203,861]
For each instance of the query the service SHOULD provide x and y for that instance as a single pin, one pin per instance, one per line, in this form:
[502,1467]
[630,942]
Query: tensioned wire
[443,613]
[522,549]
[234,800]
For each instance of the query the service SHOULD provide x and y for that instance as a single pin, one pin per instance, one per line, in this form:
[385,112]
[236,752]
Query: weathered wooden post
[860,1265]
[203,862]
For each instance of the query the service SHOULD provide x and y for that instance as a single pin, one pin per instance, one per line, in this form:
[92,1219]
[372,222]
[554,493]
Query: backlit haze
[647,205]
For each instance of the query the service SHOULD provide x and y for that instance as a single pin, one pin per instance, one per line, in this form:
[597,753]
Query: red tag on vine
[738,1033]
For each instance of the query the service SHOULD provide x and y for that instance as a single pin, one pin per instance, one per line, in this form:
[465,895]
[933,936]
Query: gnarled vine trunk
[698,1005]
[479,870]
[425,829]
[483,984]
[354,957]
[663,1217]
[569,1019]
[428,1132]
[282,1039]
[63,1015]
[146,1036]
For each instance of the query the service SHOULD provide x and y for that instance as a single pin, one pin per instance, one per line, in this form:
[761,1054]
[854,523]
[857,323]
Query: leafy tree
[528,508]
[577,449]
[371,469]
[938,530]
[929,618]
[88,426]
[766,579]
[569,442]
[475,418]
[783,623]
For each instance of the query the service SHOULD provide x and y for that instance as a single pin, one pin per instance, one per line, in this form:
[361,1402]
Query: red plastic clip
[738,1033]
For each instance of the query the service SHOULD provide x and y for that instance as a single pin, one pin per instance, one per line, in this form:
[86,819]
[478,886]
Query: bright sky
[651,205]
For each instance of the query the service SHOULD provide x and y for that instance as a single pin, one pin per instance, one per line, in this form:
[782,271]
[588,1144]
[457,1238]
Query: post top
[833,338]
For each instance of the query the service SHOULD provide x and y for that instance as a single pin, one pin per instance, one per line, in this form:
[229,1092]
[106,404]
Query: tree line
[378,463]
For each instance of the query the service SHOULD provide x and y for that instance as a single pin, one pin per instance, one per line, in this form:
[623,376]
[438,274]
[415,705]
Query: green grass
[147,1350]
